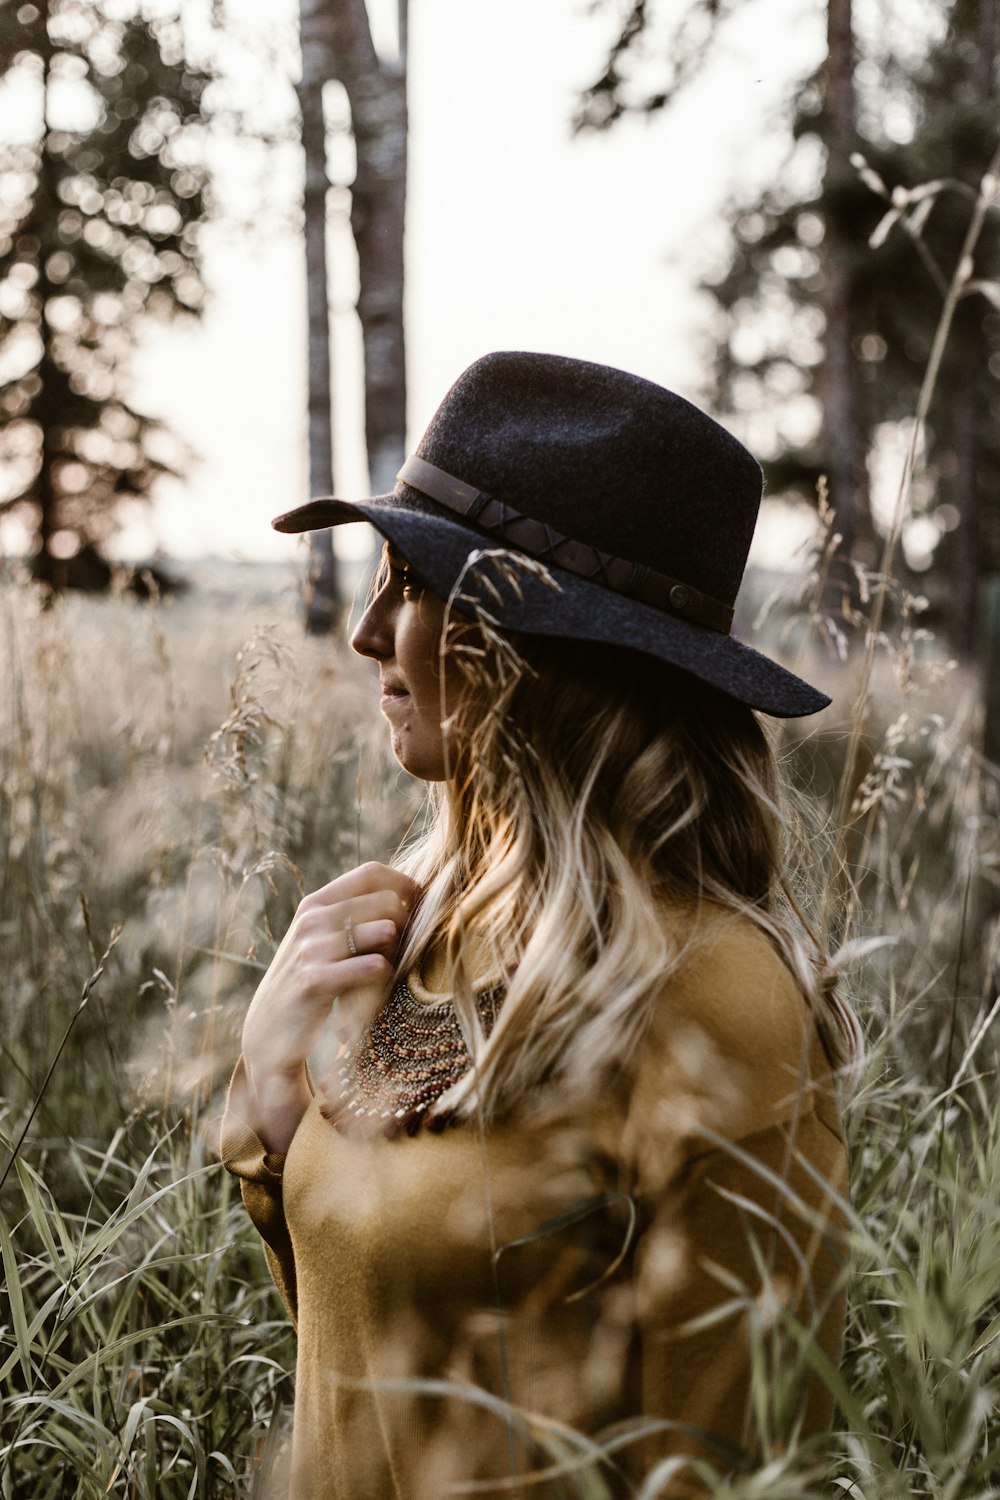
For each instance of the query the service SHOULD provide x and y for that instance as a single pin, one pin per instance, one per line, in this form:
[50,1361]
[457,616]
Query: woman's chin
[425,762]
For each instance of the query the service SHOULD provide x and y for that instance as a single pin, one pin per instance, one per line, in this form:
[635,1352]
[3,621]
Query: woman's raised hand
[340,945]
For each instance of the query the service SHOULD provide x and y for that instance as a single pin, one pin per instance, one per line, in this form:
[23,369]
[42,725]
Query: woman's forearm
[276,1101]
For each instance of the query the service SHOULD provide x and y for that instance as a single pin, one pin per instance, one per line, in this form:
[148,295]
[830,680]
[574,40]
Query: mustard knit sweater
[478,1304]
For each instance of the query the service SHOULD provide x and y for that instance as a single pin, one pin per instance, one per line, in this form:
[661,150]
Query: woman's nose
[372,635]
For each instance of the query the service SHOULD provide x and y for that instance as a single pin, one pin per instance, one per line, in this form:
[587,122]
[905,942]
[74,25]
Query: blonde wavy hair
[597,794]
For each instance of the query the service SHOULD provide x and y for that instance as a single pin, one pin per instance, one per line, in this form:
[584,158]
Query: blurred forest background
[185,745]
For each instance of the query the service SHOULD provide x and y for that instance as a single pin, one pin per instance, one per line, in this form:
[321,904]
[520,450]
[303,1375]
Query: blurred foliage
[900,210]
[101,206]
[891,200]
[157,796]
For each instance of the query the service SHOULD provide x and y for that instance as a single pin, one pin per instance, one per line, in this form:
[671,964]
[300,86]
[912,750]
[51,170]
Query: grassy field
[171,777]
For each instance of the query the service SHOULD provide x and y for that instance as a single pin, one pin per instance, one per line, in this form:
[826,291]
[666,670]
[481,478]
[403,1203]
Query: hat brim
[576,609]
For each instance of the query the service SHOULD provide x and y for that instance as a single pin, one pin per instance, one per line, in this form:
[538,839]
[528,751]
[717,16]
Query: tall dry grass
[170,778]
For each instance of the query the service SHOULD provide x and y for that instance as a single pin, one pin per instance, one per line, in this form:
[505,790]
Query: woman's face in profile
[401,630]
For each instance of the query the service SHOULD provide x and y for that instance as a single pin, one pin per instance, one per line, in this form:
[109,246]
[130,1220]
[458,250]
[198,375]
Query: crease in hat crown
[626,488]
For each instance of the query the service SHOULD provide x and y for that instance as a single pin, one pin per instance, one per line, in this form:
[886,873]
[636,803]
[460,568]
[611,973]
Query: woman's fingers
[354,939]
[367,880]
[363,924]
[322,966]
[341,944]
[357,938]
[334,947]
[329,931]
[381,906]
[357,973]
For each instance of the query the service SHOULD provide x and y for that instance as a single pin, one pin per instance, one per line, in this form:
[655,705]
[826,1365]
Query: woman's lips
[392,694]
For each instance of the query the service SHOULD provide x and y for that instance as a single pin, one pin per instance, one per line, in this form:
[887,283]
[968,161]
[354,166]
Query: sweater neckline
[425,996]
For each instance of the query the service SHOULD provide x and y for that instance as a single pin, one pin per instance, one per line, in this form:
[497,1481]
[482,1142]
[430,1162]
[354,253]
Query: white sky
[518,237]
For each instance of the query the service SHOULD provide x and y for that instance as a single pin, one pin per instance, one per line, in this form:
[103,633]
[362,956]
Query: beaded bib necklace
[408,1057]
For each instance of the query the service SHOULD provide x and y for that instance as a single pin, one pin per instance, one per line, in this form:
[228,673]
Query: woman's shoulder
[731,983]
[730,1051]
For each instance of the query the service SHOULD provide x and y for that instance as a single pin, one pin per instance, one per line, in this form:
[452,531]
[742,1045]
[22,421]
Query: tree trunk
[323,597]
[45,566]
[376,91]
[843,434]
[968,334]
[377,218]
[973,405]
[337,43]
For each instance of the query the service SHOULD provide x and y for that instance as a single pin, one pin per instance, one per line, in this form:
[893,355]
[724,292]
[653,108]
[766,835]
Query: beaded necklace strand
[408,1057]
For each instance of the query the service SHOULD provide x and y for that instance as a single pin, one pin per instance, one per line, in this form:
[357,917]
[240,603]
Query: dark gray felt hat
[640,505]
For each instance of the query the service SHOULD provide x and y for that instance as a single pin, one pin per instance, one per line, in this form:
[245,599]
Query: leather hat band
[635,580]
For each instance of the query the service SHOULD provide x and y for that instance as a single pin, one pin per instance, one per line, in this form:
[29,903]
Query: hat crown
[604,457]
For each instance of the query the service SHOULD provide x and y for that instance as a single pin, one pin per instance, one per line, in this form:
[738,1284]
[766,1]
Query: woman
[573,1179]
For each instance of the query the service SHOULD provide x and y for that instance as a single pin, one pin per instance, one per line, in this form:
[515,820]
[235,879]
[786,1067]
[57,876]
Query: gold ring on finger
[352,946]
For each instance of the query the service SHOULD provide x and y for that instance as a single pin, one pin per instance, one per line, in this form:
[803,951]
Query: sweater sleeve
[739,1253]
[734,1153]
[260,1176]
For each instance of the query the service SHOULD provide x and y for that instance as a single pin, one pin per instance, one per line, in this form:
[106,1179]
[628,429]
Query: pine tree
[99,220]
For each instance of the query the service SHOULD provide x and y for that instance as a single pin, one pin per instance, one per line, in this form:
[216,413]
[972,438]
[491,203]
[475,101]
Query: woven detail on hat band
[635,580]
